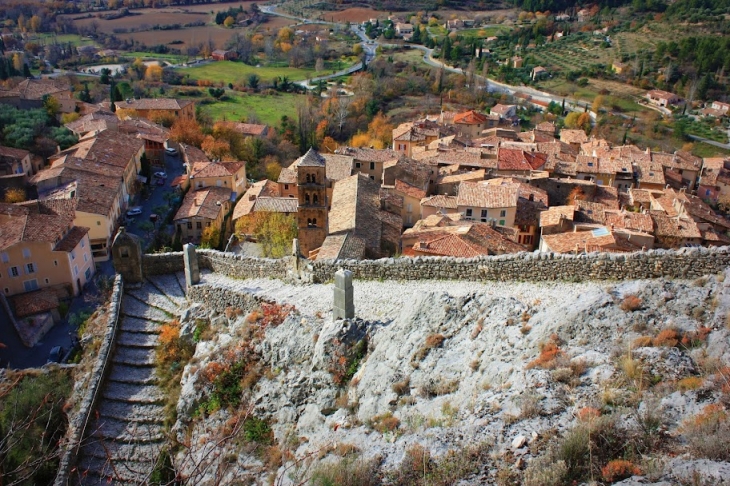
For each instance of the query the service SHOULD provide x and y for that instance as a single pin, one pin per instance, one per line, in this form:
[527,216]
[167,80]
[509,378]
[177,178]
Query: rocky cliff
[458,383]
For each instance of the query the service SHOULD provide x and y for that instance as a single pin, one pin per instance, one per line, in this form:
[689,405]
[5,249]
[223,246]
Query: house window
[198,225]
[76,271]
[73,255]
[26,252]
[501,222]
[83,244]
[313,179]
[207,224]
[7,290]
[468,213]
[372,178]
[357,165]
[98,223]
[503,213]
[484,215]
[286,186]
[707,192]
[218,183]
[372,165]
[190,225]
[87,273]
[124,253]
[29,268]
[14,272]
[47,281]
[5,257]
[306,199]
[30,285]
[86,257]
[315,199]
[314,222]
[409,207]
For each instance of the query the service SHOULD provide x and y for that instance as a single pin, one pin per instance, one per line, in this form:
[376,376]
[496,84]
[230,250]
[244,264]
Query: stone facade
[78,423]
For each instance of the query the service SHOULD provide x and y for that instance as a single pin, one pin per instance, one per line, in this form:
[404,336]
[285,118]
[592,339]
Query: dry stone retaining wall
[79,422]
[683,263]
[218,298]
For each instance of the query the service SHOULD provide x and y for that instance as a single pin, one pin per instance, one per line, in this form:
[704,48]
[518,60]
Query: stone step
[131,393]
[180,276]
[170,286]
[132,307]
[120,452]
[137,339]
[132,324]
[151,295]
[134,356]
[140,375]
[131,412]
[129,432]
[97,471]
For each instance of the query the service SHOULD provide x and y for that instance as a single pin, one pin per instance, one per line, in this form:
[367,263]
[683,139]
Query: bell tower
[312,207]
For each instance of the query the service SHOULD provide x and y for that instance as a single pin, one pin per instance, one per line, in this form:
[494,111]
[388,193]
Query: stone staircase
[125,437]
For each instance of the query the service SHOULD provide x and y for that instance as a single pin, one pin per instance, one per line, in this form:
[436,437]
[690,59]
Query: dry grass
[432,341]
[642,342]
[630,303]
[689,383]
[385,423]
[619,469]
[668,337]
[436,388]
[550,355]
[402,387]
[526,329]
[708,434]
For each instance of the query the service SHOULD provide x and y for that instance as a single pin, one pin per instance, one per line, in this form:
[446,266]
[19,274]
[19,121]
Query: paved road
[173,168]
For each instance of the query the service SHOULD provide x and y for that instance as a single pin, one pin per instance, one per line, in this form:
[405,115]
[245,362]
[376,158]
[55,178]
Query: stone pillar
[127,256]
[192,270]
[295,251]
[344,305]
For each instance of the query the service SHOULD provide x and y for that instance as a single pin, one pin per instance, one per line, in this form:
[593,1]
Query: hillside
[436,382]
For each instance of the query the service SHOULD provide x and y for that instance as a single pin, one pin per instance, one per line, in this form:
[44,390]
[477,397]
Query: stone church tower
[312,207]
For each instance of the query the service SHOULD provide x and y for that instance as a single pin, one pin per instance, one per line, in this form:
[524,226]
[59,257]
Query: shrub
[348,471]
[619,469]
[708,434]
[630,303]
[689,383]
[402,387]
[385,423]
[257,430]
[419,468]
[668,337]
[588,414]
[436,388]
[432,341]
[545,471]
[642,342]
[549,356]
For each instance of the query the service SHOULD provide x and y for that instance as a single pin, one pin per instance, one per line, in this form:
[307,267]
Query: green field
[268,109]
[237,72]
[484,32]
[702,149]
[74,39]
[146,56]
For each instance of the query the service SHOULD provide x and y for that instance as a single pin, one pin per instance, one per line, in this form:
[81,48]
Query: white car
[171,151]
[136,211]
[161,175]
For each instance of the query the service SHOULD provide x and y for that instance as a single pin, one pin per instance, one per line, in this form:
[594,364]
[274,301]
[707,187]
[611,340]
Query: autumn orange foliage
[549,355]
[619,469]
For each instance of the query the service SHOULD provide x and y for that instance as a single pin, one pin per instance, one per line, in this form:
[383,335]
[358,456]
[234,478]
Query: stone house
[484,202]
[223,55]
[368,161]
[662,98]
[30,93]
[227,175]
[40,248]
[201,209]
[15,161]
[505,112]
[153,109]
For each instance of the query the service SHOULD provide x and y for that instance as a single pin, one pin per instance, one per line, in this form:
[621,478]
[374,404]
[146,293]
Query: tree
[153,73]
[210,238]
[273,231]
[597,104]
[253,81]
[52,105]
[35,23]
[319,65]
[15,195]
[229,22]
[215,148]
[186,131]
[105,75]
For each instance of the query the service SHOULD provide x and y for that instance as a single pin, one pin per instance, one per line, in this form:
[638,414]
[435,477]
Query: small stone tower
[127,256]
[312,207]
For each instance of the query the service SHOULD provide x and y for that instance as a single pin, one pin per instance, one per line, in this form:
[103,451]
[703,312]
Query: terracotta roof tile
[573,136]
[445,202]
[264,188]
[153,104]
[203,203]
[486,196]
[555,214]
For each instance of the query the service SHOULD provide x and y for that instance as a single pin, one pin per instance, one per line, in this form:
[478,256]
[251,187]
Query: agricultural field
[191,36]
[73,39]
[267,108]
[622,97]
[236,72]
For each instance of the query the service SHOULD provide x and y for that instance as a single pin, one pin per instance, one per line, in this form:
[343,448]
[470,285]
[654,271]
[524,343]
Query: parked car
[56,354]
[135,211]
[171,151]
[161,175]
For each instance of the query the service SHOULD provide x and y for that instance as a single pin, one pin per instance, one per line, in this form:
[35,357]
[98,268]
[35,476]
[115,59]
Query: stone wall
[78,423]
[683,263]
[162,263]
[218,299]
[239,266]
